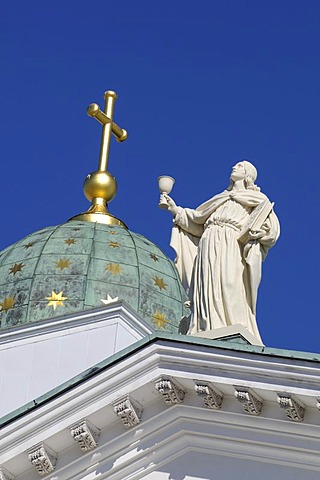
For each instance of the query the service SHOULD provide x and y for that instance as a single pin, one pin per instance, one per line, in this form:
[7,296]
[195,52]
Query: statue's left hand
[256,234]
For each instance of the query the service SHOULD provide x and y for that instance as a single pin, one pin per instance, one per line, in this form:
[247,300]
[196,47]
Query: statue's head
[244,170]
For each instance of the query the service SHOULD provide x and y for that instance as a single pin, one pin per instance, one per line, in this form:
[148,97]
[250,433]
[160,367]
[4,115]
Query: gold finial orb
[100,184]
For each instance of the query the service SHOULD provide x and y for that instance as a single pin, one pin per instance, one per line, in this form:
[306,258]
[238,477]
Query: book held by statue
[256,220]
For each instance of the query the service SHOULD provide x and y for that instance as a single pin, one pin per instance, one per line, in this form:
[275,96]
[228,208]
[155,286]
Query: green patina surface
[74,266]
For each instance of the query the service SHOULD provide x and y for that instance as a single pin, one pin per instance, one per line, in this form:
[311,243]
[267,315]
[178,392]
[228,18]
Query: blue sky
[201,85]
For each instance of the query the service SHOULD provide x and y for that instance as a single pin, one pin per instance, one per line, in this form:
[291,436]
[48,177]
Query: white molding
[181,435]
[149,363]
[185,429]
[136,374]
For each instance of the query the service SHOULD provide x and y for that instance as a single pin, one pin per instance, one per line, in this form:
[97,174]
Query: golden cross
[109,127]
[100,186]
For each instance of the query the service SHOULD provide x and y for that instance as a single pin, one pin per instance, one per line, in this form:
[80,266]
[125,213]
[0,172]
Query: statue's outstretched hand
[172,206]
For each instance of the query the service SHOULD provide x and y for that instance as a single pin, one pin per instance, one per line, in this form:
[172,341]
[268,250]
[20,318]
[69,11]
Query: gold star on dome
[56,299]
[112,232]
[63,263]
[8,302]
[17,267]
[154,257]
[158,281]
[28,245]
[109,299]
[114,244]
[159,319]
[70,241]
[114,268]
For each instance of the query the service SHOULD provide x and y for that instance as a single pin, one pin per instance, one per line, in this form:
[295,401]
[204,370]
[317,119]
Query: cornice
[166,370]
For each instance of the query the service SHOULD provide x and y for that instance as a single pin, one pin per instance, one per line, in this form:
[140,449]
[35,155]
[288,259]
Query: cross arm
[94,111]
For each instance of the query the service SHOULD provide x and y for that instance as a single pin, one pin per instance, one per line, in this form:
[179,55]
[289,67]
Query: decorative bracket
[294,409]
[251,402]
[43,458]
[5,475]
[211,396]
[128,410]
[170,390]
[86,434]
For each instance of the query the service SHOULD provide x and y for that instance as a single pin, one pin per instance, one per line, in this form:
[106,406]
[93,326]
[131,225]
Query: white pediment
[36,358]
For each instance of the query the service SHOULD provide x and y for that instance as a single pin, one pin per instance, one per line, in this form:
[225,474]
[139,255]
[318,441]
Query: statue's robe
[220,274]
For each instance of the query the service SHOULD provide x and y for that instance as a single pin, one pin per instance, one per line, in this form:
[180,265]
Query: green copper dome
[80,265]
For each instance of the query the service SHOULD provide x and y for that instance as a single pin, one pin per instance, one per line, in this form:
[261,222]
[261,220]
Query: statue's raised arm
[219,250]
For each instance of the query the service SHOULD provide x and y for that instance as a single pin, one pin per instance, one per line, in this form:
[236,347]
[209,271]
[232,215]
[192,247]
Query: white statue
[219,250]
